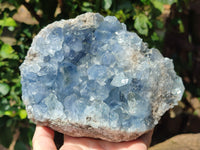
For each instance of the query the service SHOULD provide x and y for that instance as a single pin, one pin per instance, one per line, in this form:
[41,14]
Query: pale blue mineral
[90,77]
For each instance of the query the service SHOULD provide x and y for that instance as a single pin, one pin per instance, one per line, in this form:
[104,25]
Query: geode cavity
[90,77]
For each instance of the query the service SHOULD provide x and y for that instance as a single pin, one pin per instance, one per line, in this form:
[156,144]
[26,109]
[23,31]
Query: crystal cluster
[90,77]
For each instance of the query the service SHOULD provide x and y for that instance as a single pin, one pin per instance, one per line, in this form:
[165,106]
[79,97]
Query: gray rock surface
[90,77]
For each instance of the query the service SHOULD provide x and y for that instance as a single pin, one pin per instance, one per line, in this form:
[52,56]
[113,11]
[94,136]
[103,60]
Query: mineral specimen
[90,77]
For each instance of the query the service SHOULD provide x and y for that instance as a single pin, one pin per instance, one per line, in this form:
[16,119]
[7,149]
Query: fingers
[130,145]
[75,143]
[137,145]
[88,144]
[142,143]
[146,138]
[43,139]
[71,147]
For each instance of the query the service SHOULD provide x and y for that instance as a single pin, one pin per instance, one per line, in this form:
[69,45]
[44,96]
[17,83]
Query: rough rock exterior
[90,77]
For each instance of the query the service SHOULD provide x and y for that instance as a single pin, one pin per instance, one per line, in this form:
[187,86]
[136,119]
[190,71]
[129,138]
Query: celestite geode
[90,77]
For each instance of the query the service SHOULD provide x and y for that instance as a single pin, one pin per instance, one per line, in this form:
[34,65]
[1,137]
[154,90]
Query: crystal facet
[90,77]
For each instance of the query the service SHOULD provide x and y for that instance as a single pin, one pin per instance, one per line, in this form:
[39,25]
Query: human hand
[43,140]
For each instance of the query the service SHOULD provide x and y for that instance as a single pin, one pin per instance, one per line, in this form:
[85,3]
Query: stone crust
[77,130]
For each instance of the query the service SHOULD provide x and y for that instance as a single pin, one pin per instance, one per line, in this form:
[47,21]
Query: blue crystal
[110,24]
[91,73]
[107,59]
[96,72]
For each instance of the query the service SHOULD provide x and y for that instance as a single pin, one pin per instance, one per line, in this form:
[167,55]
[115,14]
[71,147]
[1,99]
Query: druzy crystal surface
[90,77]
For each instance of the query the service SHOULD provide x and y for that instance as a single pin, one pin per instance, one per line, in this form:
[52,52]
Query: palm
[43,140]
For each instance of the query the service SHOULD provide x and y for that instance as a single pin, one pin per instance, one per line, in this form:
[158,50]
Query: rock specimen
[90,77]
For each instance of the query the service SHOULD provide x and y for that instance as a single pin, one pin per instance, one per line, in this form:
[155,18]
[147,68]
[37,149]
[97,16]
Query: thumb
[43,139]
